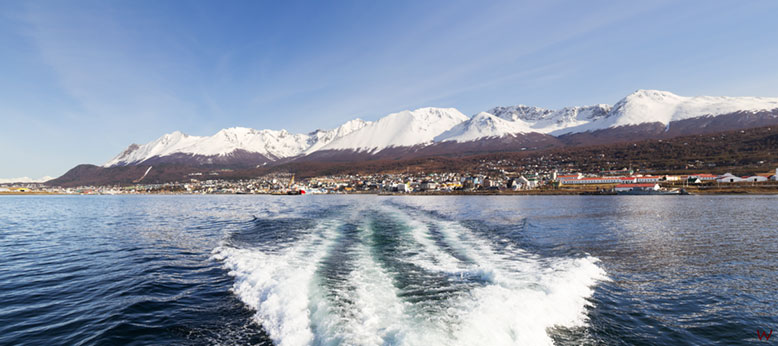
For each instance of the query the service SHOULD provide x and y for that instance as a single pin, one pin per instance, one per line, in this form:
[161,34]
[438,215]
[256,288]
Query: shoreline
[739,191]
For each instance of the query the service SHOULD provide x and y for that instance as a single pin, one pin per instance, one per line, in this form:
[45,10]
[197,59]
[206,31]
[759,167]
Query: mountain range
[445,136]
[429,131]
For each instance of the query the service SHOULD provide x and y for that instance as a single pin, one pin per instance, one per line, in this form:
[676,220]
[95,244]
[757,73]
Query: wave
[385,274]
[277,284]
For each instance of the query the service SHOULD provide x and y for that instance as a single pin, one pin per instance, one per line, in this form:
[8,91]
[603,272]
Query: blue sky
[81,80]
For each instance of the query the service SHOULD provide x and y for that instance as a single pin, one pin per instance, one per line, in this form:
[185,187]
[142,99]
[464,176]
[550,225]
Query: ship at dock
[646,189]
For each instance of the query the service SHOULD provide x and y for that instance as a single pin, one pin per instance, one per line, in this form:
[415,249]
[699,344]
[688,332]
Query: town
[493,179]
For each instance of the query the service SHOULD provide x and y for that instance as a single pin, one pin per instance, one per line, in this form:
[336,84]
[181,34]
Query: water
[369,270]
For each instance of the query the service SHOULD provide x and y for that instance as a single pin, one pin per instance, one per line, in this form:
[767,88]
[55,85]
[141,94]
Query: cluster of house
[375,183]
[495,179]
[405,183]
[580,179]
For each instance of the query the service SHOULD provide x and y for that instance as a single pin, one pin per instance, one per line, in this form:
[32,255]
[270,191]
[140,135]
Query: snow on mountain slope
[662,106]
[570,116]
[520,112]
[270,143]
[642,106]
[502,121]
[406,128]
[648,106]
[546,120]
[168,143]
[567,114]
[483,125]
[320,138]
[428,125]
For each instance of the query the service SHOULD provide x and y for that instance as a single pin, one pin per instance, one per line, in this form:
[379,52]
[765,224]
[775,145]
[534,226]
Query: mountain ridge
[431,129]
[737,151]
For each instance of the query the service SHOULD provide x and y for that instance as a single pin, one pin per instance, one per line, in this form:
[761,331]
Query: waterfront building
[595,180]
[729,178]
[671,178]
[647,179]
[704,176]
[633,187]
[569,177]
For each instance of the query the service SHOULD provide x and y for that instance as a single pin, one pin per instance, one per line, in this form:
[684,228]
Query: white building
[729,178]
[403,188]
[521,183]
[594,180]
[609,180]
[647,179]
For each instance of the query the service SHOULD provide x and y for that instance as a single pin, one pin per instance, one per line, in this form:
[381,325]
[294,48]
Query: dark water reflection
[693,269]
[138,269]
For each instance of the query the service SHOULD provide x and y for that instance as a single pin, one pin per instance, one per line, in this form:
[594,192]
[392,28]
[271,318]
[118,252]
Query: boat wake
[387,274]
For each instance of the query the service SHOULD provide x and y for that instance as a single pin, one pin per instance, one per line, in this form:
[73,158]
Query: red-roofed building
[569,176]
[703,176]
[592,180]
[611,180]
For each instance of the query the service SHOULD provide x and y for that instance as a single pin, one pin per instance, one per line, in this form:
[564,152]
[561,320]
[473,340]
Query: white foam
[525,295]
[377,316]
[431,257]
[521,295]
[278,285]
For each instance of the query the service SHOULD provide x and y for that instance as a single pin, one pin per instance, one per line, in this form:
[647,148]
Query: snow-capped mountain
[501,121]
[484,125]
[640,107]
[320,138]
[655,106]
[268,143]
[403,129]
[563,117]
[661,106]
[433,127]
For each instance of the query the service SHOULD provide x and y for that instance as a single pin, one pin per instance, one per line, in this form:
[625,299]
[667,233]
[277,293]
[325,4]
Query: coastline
[734,190]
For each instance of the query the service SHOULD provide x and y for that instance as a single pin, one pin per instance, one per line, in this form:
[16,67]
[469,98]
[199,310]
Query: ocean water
[388,270]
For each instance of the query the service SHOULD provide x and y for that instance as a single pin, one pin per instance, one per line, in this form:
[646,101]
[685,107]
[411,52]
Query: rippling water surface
[376,270]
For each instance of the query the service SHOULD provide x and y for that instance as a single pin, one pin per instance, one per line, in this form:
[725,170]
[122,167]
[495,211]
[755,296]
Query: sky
[82,80]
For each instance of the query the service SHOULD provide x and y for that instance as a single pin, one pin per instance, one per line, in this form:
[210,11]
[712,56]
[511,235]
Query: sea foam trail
[374,315]
[389,275]
[277,285]
[523,296]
